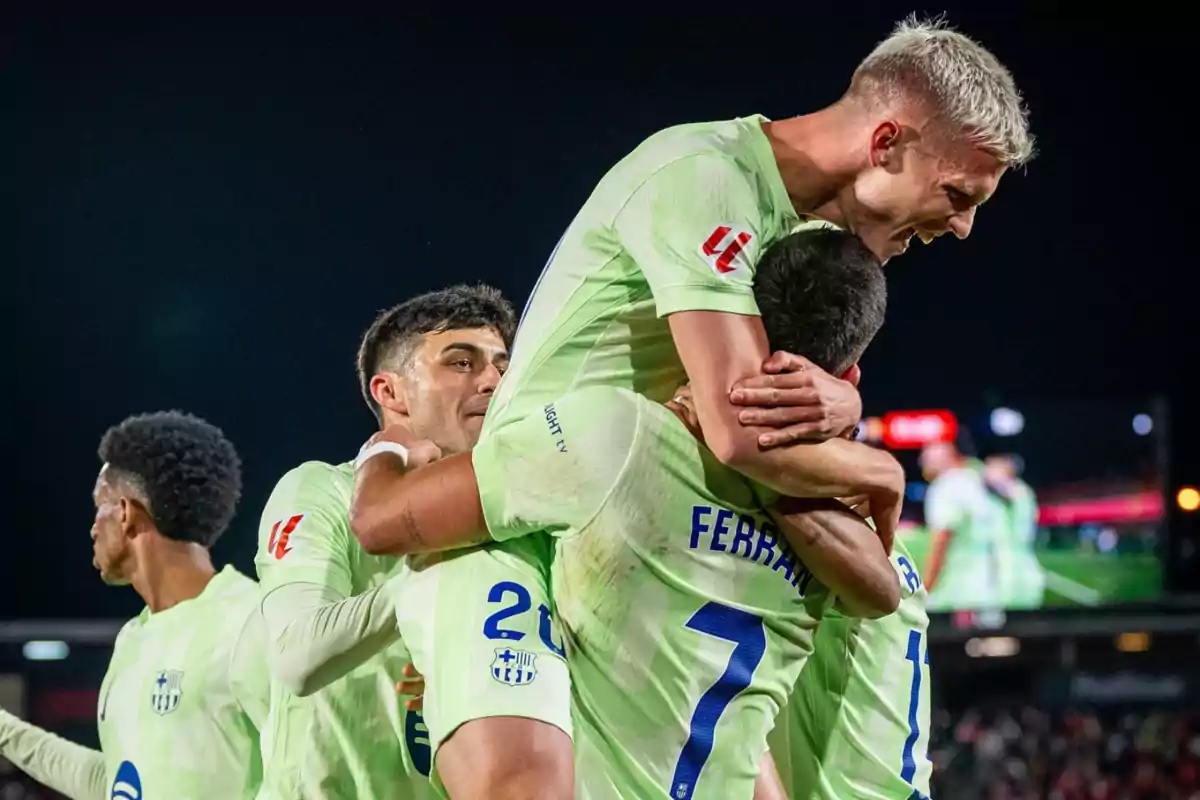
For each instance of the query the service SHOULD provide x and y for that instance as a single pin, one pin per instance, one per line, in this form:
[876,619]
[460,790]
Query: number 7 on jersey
[746,632]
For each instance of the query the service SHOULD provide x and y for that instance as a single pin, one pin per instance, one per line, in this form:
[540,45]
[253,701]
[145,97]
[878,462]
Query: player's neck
[175,572]
[812,157]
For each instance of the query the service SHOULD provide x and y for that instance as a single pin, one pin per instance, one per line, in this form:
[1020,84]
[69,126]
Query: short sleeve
[304,532]
[944,503]
[553,470]
[695,229]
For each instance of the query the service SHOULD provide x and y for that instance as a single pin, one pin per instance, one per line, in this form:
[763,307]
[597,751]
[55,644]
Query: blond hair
[966,86]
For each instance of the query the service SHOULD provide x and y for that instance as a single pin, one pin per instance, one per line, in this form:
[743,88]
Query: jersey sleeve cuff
[702,297]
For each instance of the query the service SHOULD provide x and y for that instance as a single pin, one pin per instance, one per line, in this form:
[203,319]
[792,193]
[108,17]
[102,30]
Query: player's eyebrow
[474,350]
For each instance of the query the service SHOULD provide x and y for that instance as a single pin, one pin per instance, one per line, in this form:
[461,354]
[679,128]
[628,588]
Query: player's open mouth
[905,237]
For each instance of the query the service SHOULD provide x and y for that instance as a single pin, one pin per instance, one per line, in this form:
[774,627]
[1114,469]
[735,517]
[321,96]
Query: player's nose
[961,223]
[489,379]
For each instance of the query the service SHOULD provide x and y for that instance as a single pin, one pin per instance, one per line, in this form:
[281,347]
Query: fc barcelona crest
[514,667]
[168,689]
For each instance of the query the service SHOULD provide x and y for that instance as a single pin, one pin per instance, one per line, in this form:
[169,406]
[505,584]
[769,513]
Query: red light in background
[906,430]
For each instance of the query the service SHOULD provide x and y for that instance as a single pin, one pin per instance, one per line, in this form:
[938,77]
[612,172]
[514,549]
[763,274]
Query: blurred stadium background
[205,212]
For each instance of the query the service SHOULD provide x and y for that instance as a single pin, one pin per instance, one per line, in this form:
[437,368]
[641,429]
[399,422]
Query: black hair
[393,334]
[189,472]
[822,295]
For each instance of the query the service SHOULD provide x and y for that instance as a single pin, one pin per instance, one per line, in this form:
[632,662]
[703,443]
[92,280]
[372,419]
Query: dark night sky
[206,212]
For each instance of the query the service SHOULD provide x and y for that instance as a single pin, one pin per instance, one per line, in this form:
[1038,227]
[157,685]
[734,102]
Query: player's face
[936,458]
[450,385]
[112,554]
[999,469]
[920,188]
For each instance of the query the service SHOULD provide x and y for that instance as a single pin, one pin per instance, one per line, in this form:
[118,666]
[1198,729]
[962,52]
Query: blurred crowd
[1025,753]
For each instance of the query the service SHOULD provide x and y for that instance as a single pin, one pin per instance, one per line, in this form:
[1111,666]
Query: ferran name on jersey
[167,691]
[514,667]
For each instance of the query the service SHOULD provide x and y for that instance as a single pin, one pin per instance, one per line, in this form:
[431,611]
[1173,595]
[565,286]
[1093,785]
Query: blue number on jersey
[491,626]
[416,736]
[908,766]
[746,631]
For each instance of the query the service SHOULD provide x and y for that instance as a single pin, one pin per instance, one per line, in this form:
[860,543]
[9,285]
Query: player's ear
[388,391]
[885,145]
[852,375]
[131,517]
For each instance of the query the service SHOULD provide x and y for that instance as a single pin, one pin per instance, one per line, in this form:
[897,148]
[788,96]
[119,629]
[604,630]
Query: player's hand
[799,399]
[421,452]
[413,684]
[860,504]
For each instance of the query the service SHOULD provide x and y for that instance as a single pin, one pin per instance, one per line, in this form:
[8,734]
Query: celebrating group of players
[649,562]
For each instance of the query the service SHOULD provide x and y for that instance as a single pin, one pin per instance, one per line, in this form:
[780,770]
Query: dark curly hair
[189,472]
[392,337]
[822,295]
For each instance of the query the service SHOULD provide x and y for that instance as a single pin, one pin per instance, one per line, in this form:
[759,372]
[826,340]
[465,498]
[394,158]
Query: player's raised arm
[67,768]
[695,230]
[565,461]
[316,631]
[832,541]
[711,293]
[407,501]
[842,552]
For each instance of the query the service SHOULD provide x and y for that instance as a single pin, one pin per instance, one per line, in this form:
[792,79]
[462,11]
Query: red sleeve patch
[281,531]
[723,247]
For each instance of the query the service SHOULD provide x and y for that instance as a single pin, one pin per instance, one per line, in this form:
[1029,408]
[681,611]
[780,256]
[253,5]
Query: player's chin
[107,574]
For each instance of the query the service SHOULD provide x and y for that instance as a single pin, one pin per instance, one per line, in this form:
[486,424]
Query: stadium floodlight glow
[1188,498]
[1143,424]
[39,650]
[1007,422]
[993,647]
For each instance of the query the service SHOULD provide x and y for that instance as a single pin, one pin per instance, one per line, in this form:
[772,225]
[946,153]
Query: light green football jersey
[352,739]
[1022,579]
[958,501]
[686,617]
[677,225]
[185,696]
[857,724]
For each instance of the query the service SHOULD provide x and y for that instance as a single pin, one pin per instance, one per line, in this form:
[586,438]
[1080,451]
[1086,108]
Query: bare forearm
[842,552]
[830,469]
[398,512]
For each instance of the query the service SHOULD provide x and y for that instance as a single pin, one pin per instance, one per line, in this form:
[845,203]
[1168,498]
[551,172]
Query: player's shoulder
[231,589]
[131,627]
[715,145]
[723,137]
[317,479]
[320,472]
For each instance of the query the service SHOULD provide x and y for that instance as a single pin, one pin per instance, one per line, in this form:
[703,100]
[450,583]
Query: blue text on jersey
[742,535]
